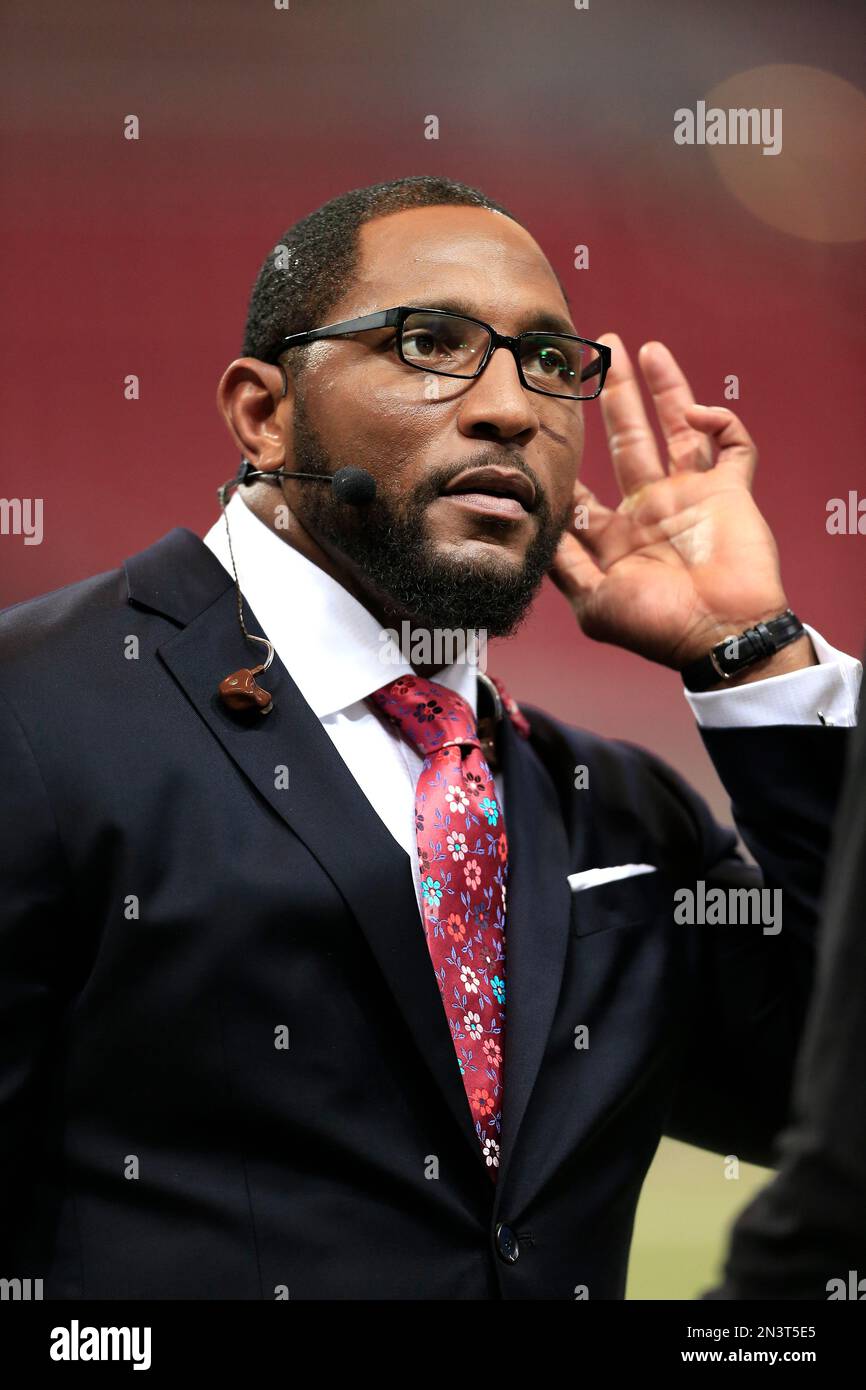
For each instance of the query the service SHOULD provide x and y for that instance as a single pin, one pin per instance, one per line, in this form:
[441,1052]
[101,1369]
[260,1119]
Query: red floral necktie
[463,863]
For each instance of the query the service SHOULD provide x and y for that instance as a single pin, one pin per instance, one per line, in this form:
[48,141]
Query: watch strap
[738,652]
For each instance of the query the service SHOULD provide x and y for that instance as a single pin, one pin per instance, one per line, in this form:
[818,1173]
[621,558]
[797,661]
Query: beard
[388,542]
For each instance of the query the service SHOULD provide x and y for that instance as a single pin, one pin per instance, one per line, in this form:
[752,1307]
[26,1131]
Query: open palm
[686,558]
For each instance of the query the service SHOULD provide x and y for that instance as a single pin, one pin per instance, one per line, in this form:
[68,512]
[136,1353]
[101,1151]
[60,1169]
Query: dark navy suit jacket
[167,909]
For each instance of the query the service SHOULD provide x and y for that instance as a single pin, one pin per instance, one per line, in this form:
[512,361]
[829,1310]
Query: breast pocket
[624,902]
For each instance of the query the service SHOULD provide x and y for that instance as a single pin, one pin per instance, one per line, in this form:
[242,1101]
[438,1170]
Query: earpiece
[241,691]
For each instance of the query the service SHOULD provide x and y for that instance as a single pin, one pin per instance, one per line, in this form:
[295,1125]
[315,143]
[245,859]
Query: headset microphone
[240,690]
[353,485]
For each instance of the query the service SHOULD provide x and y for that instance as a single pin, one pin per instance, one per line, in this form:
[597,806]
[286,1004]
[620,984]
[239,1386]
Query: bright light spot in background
[815,187]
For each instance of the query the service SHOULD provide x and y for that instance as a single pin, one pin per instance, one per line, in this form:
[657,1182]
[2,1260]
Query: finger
[736,447]
[687,448]
[574,571]
[630,438]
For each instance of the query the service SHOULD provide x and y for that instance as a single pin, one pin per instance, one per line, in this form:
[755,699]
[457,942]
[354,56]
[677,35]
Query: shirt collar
[329,643]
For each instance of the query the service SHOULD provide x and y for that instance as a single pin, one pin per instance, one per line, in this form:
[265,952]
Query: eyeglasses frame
[396,317]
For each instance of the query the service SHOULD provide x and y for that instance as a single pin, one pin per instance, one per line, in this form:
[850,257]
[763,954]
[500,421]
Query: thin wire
[250,636]
[221,494]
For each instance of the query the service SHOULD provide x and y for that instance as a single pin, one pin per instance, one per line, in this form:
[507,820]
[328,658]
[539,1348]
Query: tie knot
[429,715]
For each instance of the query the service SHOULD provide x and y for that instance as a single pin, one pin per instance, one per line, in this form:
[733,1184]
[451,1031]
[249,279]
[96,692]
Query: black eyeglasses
[434,340]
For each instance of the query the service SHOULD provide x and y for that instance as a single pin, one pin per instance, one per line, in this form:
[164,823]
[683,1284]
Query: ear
[256,400]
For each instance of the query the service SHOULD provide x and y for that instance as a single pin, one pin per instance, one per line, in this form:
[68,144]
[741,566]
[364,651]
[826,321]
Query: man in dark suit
[340,976]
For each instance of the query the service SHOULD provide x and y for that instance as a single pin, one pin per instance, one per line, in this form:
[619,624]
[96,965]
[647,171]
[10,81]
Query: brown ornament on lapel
[241,691]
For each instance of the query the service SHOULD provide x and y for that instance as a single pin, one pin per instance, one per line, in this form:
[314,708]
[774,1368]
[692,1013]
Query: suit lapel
[322,804]
[536,926]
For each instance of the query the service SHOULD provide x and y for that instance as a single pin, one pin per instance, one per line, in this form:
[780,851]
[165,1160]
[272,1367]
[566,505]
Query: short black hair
[310,267]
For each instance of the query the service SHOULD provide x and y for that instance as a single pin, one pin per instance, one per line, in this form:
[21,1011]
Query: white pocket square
[588,878]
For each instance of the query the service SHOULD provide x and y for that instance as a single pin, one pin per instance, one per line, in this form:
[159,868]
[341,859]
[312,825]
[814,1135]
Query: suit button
[507,1244]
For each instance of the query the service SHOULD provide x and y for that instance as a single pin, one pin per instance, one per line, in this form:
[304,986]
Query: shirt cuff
[830,689]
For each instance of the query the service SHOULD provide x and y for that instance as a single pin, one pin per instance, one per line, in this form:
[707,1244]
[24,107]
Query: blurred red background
[138,256]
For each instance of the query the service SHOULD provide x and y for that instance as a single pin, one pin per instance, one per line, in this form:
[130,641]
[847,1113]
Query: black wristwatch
[737,652]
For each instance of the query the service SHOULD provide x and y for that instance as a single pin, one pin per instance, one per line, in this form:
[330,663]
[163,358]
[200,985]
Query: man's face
[443,558]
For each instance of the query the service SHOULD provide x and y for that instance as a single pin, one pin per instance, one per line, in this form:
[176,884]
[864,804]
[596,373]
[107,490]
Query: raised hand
[686,558]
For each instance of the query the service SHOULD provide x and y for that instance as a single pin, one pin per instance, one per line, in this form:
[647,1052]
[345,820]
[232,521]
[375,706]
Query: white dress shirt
[332,647]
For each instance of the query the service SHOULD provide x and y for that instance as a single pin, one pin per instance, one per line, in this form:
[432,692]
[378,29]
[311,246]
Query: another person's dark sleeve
[808,1226]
